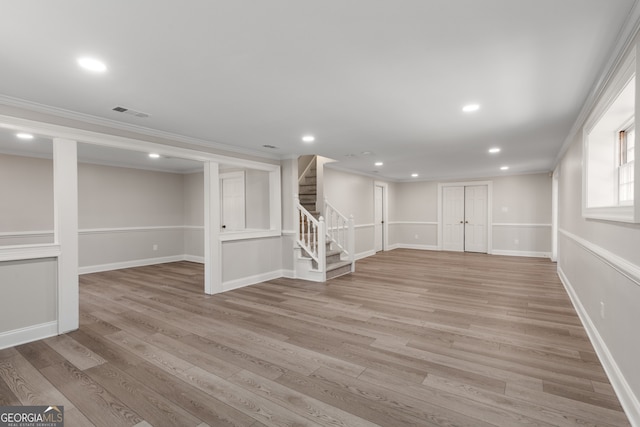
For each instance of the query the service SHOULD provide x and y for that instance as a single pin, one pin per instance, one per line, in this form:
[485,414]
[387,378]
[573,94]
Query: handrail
[311,234]
[306,170]
[340,230]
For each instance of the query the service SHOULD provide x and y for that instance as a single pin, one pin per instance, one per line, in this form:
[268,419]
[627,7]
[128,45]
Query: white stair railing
[311,235]
[340,231]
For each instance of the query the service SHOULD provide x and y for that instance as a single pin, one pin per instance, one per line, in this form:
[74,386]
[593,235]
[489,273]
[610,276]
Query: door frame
[385,214]
[489,185]
[555,199]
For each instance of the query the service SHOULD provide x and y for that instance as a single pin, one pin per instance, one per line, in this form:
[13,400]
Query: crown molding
[57,112]
[624,41]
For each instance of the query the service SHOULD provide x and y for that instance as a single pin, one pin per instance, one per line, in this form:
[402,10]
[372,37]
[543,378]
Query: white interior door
[233,203]
[475,212]
[453,218]
[378,218]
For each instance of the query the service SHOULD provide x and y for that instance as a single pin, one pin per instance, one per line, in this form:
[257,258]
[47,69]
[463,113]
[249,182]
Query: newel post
[322,247]
[296,215]
[352,243]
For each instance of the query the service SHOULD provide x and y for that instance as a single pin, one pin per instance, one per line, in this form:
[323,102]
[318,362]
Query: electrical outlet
[601,310]
[516,242]
[416,237]
[155,247]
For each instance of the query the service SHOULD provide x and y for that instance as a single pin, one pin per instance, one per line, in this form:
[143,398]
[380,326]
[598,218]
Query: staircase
[325,244]
[308,187]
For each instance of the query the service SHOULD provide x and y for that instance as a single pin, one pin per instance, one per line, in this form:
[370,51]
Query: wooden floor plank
[29,385]
[151,406]
[92,399]
[82,357]
[412,338]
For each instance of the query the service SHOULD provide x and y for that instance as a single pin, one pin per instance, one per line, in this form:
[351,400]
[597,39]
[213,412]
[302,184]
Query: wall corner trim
[628,399]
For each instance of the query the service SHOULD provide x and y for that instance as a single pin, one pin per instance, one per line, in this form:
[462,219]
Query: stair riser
[333,258]
[339,272]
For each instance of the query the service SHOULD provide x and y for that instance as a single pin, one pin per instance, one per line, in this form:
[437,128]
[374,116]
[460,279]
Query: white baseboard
[129,264]
[532,254]
[289,274]
[410,246]
[365,254]
[194,258]
[28,334]
[251,280]
[628,399]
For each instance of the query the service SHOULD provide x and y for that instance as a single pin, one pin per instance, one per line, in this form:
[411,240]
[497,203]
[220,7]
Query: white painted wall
[26,200]
[29,295]
[250,261]
[522,214]
[257,199]
[413,211]
[353,195]
[193,215]
[599,263]
[123,213]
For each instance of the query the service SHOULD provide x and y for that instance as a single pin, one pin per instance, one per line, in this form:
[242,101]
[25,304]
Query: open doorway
[380,216]
[138,210]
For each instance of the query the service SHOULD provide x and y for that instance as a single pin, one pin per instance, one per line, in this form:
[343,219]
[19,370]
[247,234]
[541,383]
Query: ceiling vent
[131,112]
[273,147]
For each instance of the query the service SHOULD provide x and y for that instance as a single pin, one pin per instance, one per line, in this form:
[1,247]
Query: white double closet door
[464,218]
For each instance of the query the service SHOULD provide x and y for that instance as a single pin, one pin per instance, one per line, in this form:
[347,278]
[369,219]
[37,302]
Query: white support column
[212,244]
[65,196]
[275,200]
[352,242]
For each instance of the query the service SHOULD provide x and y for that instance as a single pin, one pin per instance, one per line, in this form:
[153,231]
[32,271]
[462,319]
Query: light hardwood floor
[412,338]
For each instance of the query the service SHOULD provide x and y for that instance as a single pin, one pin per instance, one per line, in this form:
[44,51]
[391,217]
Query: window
[626,157]
[609,151]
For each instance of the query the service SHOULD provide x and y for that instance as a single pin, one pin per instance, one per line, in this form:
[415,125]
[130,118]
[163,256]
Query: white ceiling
[380,76]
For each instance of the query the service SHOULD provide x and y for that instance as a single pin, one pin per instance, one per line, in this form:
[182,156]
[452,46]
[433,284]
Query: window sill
[612,213]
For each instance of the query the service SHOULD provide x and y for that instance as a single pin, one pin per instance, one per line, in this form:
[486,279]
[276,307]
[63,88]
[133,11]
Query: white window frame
[624,162]
[614,211]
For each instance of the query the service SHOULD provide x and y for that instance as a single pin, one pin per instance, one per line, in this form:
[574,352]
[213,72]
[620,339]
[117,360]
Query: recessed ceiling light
[414,175]
[24,136]
[366,153]
[308,138]
[379,163]
[504,168]
[92,64]
[154,155]
[494,150]
[470,108]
